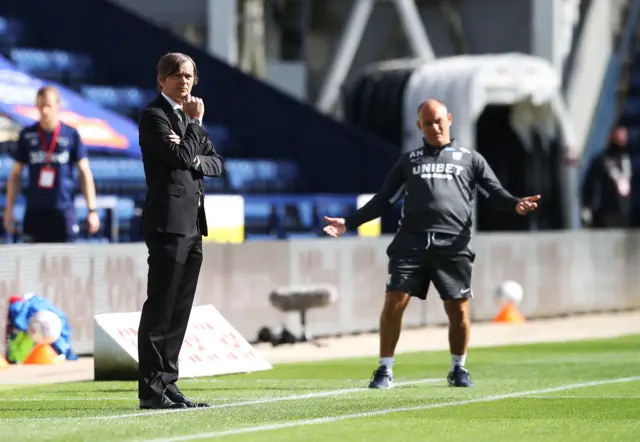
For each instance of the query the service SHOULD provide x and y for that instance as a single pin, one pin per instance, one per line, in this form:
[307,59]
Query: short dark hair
[170,63]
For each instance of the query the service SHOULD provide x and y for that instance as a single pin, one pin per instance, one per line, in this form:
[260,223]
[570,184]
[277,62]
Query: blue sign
[102,130]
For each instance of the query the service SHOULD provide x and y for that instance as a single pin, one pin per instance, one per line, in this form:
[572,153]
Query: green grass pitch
[575,391]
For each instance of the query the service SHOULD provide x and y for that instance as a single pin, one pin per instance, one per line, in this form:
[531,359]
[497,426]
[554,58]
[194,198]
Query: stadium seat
[124,211]
[64,67]
[6,162]
[632,108]
[6,147]
[125,176]
[118,175]
[634,82]
[126,100]
[219,136]
[292,216]
[12,32]
[261,176]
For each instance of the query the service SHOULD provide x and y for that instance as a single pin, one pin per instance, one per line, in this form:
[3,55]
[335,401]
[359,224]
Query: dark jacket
[175,189]
[438,185]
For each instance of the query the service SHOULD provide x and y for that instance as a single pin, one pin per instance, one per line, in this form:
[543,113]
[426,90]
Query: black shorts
[417,260]
[51,226]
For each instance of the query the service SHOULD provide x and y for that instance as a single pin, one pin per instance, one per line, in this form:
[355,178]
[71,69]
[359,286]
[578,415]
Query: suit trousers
[174,266]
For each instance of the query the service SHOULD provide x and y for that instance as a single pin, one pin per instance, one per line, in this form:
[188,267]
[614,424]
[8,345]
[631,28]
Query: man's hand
[174,137]
[8,221]
[93,222]
[527,204]
[194,107]
[336,226]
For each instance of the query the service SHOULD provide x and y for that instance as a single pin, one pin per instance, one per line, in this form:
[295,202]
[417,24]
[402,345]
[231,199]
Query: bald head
[434,121]
[432,105]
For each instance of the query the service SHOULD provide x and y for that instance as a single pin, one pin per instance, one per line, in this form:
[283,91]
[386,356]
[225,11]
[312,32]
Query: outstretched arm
[388,195]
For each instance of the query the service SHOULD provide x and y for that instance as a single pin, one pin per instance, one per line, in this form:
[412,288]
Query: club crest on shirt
[456,156]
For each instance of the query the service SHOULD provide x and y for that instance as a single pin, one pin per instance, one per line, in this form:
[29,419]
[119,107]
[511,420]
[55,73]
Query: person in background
[49,148]
[606,190]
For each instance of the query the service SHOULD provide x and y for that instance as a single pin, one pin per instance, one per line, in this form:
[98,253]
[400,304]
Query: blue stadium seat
[292,216]
[634,82]
[243,176]
[124,211]
[5,166]
[631,108]
[6,162]
[60,66]
[124,99]
[118,175]
[126,176]
[6,147]
[260,176]
[12,33]
[219,136]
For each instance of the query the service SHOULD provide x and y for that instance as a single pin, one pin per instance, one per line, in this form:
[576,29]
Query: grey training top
[438,186]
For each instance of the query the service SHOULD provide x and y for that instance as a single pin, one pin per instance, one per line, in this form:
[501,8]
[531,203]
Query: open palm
[336,226]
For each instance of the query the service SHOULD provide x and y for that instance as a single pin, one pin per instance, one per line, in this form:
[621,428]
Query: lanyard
[54,141]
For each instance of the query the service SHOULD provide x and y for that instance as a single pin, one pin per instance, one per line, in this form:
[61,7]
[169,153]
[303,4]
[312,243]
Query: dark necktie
[182,116]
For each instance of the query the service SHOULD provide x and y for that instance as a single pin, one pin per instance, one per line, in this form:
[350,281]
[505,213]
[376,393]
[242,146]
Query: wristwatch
[92,210]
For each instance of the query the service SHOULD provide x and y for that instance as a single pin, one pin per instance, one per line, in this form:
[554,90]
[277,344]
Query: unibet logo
[438,170]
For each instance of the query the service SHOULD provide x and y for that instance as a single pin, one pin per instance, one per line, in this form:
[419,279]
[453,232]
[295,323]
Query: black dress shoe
[160,403]
[176,396]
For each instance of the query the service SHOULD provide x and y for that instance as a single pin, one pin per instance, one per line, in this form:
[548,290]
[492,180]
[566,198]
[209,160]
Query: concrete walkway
[431,338]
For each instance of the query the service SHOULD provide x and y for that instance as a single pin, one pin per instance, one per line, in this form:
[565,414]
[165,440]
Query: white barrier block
[211,346]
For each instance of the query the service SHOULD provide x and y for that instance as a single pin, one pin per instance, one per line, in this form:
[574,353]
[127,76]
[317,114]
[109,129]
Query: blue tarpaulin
[102,130]
[21,310]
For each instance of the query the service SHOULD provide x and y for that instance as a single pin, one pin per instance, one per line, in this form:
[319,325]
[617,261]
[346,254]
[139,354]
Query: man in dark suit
[177,154]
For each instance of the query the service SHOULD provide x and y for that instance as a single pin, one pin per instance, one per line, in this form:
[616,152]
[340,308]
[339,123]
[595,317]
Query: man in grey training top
[438,181]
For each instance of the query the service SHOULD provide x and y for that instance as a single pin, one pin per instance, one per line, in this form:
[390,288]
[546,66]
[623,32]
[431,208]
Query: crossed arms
[157,140]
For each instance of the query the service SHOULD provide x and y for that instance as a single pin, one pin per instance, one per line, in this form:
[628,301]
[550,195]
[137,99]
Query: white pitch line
[267,381]
[260,401]
[325,420]
[584,397]
[64,399]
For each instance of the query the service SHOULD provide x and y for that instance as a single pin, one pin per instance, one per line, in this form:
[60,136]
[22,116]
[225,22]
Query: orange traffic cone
[509,314]
[42,354]
[3,362]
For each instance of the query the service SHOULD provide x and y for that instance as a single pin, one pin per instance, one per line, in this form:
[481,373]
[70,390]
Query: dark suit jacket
[174,186]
